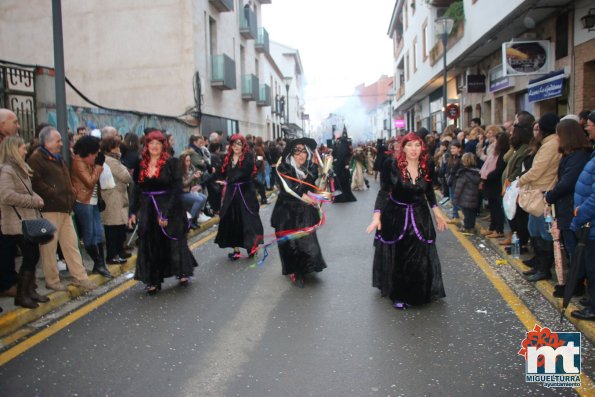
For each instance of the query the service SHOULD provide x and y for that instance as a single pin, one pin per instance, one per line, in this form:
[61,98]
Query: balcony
[248,28]
[264,96]
[438,49]
[440,3]
[250,86]
[222,5]
[223,74]
[262,42]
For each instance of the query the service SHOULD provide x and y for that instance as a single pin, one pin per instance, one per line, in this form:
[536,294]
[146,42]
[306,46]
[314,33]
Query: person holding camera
[87,165]
[19,202]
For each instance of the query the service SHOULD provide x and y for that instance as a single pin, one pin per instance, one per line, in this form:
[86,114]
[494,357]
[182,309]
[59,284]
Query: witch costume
[163,251]
[239,224]
[406,264]
[341,162]
[303,255]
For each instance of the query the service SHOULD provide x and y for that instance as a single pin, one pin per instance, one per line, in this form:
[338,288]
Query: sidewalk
[14,317]
[545,287]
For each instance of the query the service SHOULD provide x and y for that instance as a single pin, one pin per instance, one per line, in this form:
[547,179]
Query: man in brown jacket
[51,180]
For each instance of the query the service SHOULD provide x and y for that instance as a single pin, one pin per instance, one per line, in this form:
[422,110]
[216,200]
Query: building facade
[204,62]
[476,82]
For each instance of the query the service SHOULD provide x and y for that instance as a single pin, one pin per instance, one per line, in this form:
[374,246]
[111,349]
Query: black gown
[240,224]
[302,255]
[161,252]
[341,161]
[406,264]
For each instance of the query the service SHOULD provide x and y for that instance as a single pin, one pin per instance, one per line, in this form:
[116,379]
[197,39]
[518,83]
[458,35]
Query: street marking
[74,316]
[516,304]
[63,323]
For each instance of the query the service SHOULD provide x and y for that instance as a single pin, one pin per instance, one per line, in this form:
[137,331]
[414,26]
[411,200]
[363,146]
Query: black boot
[33,293]
[98,260]
[545,257]
[23,299]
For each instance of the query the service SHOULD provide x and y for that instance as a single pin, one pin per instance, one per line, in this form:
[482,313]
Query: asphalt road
[244,331]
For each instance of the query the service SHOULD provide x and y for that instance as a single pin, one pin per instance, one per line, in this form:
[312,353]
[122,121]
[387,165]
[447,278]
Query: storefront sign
[476,83]
[497,79]
[399,123]
[526,57]
[546,87]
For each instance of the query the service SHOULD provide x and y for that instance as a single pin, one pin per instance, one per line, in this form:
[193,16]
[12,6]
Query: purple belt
[409,214]
[236,188]
[159,214]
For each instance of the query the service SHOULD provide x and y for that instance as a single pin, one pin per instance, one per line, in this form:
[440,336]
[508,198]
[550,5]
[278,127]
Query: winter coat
[544,171]
[451,168]
[84,178]
[584,199]
[51,180]
[14,193]
[116,199]
[514,164]
[466,188]
[562,194]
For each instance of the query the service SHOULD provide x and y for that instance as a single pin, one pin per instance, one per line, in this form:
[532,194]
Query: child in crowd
[466,191]
[451,167]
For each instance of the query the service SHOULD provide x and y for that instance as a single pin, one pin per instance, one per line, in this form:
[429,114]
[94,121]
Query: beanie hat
[548,123]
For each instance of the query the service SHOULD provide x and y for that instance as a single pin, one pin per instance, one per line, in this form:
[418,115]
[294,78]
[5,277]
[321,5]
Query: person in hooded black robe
[341,162]
[294,210]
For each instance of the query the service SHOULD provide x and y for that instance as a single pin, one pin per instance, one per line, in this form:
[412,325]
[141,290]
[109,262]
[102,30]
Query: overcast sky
[342,43]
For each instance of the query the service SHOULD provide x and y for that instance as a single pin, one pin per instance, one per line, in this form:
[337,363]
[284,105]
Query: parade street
[239,330]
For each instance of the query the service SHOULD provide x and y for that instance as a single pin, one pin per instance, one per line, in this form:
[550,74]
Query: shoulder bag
[40,230]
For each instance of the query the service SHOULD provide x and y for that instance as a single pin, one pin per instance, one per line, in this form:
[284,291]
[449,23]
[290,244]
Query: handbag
[531,200]
[38,231]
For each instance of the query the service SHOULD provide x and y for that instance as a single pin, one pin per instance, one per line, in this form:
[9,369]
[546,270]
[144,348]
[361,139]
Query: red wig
[229,154]
[423,157]
[154,135]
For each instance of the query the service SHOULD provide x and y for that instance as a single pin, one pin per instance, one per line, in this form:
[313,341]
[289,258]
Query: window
[425,44]
[412,7]
[405,16]
[562,36]
[414,54]
[407,65]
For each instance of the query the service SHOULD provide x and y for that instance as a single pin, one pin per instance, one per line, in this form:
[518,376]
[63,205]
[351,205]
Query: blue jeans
[455,209]
[193,202]
[89,222]
[537,228]
[267,174]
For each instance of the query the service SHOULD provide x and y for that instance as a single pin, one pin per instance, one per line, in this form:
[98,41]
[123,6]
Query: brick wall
[584,74]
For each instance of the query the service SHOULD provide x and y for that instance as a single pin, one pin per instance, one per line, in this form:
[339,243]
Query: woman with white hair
[296,210]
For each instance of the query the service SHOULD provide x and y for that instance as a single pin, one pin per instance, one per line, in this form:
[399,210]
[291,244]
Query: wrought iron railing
[17,93]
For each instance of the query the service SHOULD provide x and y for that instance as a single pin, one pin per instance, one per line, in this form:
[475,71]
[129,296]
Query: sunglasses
[238,144]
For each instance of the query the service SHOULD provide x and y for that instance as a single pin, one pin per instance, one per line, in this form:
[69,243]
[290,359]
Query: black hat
[422,132]
[311,143]
[548,123]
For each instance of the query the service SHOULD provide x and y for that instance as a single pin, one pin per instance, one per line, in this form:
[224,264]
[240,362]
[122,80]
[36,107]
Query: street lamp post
[287,80]
[443,28]
[391,95]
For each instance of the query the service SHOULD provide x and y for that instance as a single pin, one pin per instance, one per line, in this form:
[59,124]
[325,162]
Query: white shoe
[62,266]
[202,218]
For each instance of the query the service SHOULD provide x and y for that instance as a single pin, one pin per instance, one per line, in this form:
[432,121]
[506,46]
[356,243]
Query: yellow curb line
[69,319]
[62,323]
[546,288]
[516,304]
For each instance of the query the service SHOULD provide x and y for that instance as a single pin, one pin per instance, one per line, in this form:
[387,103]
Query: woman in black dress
[294,210]
[406,264]
[163,248]
[239,224]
